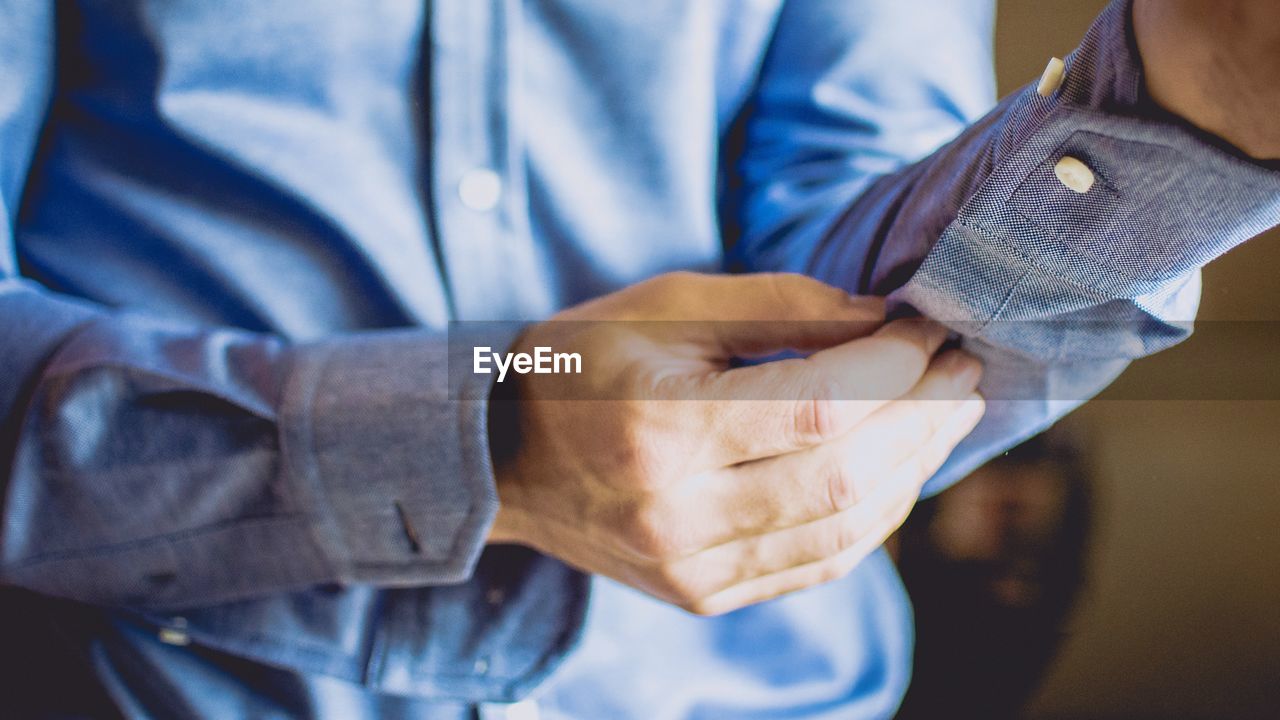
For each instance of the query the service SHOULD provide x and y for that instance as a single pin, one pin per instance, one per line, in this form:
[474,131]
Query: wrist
[509,524]
[503,444]
[1213,63]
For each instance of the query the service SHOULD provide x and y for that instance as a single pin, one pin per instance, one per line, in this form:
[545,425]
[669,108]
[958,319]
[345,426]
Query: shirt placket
[477,168]
[487,257]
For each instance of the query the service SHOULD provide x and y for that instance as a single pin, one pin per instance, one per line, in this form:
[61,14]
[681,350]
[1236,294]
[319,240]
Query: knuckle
[647,533]
[815,415]
[644,538]
[841,487]
[638,453]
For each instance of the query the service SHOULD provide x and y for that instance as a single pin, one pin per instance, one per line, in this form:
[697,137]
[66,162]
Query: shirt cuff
[1095,197]
[393,465]
[1058,276]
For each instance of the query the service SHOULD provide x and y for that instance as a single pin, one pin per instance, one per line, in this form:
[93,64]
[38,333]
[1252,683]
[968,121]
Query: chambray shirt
[234,234]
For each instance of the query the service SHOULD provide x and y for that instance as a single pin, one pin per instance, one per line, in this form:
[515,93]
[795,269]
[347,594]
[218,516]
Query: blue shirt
[234,234]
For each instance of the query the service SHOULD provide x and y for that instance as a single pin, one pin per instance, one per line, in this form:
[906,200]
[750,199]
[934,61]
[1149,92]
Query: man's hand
[1217,64]
[676,485]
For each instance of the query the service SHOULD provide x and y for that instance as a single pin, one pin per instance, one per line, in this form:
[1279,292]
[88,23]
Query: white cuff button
[1051,79]
[176,633]
[1074,174]
[480,189]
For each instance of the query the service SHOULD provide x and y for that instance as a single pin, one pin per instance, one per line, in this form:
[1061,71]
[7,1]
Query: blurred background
[1177,584]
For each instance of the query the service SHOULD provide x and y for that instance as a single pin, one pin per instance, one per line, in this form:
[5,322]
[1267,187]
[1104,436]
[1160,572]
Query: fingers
[745,561]
[806,402]
[796,488]
[834,536]
[807,575]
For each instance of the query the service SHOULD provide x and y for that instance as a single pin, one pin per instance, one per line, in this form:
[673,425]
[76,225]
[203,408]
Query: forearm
[1056,287]
[161,465]
[1216,63]
[1164,201]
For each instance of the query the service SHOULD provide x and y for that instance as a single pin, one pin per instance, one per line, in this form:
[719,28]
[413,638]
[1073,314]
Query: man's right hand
[713,487]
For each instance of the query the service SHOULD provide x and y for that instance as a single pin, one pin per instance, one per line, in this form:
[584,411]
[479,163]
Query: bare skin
[712,505]
[1216,63]
[719,502]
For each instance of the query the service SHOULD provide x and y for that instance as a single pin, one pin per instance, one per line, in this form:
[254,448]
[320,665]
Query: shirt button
[1051,79]
[480,189]
[177,634]
[1074,174]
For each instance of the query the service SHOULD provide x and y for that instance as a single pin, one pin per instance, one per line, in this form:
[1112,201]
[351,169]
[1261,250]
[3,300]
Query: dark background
[1180,617]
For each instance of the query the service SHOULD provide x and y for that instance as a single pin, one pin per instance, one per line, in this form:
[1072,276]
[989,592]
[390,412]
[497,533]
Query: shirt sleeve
[150,465]
[1056,288]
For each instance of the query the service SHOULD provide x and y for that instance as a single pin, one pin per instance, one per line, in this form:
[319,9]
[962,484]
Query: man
[264,500]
